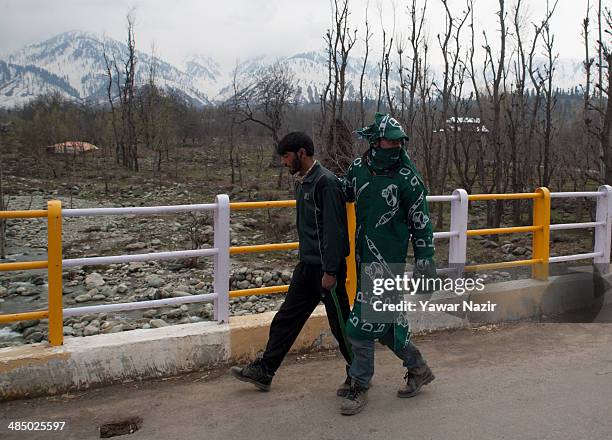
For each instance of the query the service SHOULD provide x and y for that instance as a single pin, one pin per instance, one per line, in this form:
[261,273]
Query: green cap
[384,126]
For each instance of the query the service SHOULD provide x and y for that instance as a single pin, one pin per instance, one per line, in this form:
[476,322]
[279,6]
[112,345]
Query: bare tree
[128,101]
[450,95]
[587,64]
[4,128]
[542,80]
[383,64]
[605,110]
[117,132]
[416,40]
[516,114]
[336,141]
[600,50]
[489,104]
[424,124]
[126,139]
[265,101]
[149,109]
[387,65]
[368,35]
[345,40]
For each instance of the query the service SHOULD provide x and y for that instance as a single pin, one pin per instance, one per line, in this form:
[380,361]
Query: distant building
[71,147]
[463,124]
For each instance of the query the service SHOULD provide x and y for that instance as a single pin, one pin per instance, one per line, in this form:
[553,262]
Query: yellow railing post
[54,257]
[351,265]
[541,236]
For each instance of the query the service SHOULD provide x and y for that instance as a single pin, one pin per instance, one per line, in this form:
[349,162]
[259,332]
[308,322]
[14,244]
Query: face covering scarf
[383,159]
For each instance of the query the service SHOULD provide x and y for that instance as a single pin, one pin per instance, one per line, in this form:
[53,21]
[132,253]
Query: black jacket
[321,219]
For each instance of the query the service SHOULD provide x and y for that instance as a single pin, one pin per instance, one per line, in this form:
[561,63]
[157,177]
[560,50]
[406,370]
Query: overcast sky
[237,29]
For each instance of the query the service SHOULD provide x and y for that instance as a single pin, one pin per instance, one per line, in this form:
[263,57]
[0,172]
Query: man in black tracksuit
[320,275]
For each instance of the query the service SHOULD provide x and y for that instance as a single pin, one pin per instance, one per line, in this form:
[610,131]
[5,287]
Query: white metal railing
[219,251]
[457,252]
[602,225]
[92,261]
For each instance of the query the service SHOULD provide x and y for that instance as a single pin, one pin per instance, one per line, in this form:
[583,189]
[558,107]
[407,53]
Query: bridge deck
[518,381]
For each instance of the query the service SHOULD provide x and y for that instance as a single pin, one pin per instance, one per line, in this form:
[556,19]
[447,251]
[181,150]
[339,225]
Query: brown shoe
[415,380]
[355,400]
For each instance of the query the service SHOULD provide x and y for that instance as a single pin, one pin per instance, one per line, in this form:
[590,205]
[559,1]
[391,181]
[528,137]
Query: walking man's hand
[328,281]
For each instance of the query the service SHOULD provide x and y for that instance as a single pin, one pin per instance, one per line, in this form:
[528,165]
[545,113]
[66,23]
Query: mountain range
[72,64]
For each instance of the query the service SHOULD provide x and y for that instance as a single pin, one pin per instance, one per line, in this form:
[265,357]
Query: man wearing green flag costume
[391,208]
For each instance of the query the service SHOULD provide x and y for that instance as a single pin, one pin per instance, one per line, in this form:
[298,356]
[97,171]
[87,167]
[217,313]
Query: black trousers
[305,293]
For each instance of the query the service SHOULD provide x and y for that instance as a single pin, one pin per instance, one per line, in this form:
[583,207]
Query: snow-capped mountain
[72,64]
[311,73]
[206,74]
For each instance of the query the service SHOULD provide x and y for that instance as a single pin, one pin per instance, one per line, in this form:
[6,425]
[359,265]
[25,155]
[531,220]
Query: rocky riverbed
[117,283]
[137,281]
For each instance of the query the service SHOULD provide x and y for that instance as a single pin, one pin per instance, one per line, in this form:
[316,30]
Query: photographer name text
[428,306]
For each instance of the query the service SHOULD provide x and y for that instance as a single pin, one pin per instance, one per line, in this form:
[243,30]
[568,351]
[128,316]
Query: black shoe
[355,400]
[415,379]
[254,373]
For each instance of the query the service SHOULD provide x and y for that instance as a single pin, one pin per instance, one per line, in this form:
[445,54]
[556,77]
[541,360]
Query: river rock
[38,281]
[83,298]
[35,337]
[91,330]
[136,246]
[149,313]
[157,323]
[94,280]
[174,313]
[154,281]
[136,266]
[179,293]
[108,291]
[116,329]
[29,331]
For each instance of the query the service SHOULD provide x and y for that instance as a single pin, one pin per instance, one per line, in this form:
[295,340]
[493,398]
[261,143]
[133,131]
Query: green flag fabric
[391,210]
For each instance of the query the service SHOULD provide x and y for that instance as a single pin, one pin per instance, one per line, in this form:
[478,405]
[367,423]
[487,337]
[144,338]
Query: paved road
[519,381]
